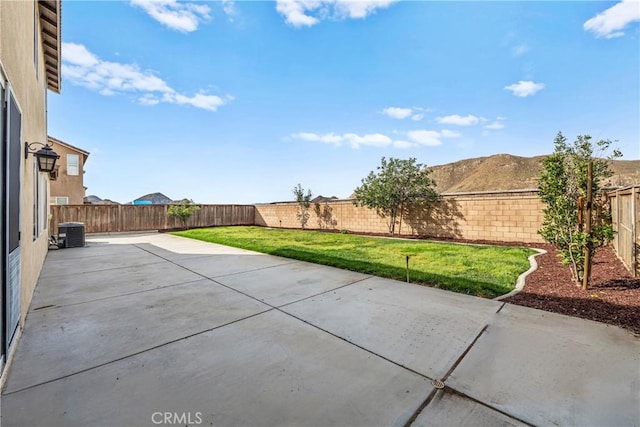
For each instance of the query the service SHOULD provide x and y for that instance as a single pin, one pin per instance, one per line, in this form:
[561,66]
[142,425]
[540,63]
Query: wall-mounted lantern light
[45,156]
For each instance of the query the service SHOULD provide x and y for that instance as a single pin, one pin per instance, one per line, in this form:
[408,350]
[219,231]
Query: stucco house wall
[28,74]
[65,184]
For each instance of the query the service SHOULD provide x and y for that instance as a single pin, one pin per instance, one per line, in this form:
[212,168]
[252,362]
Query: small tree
[398,187]
[183,211]
[563,188]
[304,203]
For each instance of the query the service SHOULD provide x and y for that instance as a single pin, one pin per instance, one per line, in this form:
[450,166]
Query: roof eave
[53,141]
[50,29]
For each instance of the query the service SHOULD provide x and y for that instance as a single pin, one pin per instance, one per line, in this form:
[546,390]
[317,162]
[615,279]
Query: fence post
[634,237]
[587,228]
[618,222]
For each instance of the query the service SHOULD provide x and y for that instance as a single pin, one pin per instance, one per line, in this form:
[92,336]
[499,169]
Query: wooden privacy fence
[122,218]
[625,212]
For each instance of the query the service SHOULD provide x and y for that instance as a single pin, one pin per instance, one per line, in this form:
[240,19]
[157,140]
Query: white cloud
[430,137]
[306,13]
[294,12]
[229,7]
[415,113]
[415,138]
[373,139]
[610,23]
[199,100]
[458,120]
[329,138]
[83,68]
[77,54]
[360,8]
[397,112]
[352,139]
[494,126]
[520,49]
[425,137]
[180,16]
[148,99]
[525,88]
[449,133]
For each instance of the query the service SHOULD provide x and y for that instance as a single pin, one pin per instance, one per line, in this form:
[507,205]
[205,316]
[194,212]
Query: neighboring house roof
[95,200]
[53,141]
[156,199]
[50,23]
[322,199]
[92,199]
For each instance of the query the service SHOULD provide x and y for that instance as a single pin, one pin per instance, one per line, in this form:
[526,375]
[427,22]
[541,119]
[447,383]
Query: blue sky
[238,101]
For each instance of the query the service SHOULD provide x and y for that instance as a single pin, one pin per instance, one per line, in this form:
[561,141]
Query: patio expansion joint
[208,255]
[325,292]
[451,389]
[213,279]
[248,271]
[433,393]
[480,402]
[355,344]
[119,359]
[57,306]
[47,276]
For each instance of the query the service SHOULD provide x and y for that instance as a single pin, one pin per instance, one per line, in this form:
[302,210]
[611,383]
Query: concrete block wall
[510,216]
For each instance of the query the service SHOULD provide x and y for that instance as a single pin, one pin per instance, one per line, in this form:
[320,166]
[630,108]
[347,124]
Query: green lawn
[486,271]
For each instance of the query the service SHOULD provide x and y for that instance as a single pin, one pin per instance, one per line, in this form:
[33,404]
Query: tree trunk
[587,228]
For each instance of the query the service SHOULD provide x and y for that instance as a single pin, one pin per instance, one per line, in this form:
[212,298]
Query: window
[73,164]
[61,200]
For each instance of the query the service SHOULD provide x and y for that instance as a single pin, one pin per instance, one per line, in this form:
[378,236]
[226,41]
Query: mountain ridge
[509,172]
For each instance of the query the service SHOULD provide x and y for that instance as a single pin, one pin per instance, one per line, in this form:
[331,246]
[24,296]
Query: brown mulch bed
[613,296]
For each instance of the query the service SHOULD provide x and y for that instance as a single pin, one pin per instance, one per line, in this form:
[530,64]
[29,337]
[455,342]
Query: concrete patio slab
[550,369]
[290,282]
[215,266]
[270,370]
[76,337]
[66,267]
[82,287]
[91,249]
[450,409]
[422,328]
[355,350]
[172,247]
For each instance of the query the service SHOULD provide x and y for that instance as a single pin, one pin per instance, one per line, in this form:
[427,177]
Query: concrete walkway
[153,329]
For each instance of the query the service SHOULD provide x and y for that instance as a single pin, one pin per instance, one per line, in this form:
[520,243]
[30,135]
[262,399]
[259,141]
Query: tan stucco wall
[16,58]
[501,216]
[71,186]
